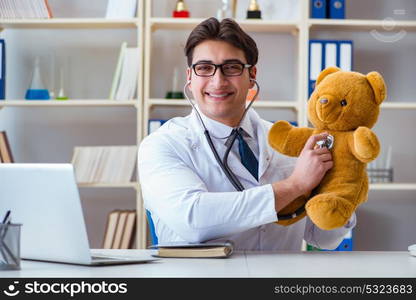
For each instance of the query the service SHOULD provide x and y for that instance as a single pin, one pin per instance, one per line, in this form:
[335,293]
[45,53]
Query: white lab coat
[191,199]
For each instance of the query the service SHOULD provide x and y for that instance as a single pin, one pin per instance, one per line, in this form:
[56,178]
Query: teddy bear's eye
[343,102]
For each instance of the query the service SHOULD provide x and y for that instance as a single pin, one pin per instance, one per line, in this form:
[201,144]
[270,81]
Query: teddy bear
[345,105]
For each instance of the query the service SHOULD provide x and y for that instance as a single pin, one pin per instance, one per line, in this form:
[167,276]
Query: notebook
[45,199]
[194,250]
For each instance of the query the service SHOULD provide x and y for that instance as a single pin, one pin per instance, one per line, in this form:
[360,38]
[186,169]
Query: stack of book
[25,9]
[5,152]
[106,164]
[120,229]
[125,77]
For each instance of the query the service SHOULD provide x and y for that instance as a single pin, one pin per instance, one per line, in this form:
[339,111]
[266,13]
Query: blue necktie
[248,158]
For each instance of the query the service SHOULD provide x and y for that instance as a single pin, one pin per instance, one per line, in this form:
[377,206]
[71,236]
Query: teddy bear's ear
[379,87]
[325,73]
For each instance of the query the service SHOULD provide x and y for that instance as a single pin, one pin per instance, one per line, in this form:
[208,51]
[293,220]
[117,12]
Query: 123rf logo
[71,289]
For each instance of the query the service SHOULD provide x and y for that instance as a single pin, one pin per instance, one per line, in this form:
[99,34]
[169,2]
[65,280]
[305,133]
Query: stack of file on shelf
[120,229]
[125,77]
[327,53]
[5,152]
[120,9]
[328,9]
[110,164]
[25,9]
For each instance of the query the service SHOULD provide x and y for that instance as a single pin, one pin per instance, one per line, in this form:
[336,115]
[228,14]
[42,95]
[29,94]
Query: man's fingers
[328,164]
[311,142]
[320,151]
[325,157]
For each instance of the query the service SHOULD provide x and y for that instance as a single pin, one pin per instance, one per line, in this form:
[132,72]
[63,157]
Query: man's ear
[253,75]
[188,75]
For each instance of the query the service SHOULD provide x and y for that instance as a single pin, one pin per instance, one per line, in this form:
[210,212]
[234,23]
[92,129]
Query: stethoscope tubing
[231,139]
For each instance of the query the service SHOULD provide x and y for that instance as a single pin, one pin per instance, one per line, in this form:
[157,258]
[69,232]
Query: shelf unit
[153,24]
[133,185]
[97,24]
[48,103]
[146,26]
[301,30]
[63,23]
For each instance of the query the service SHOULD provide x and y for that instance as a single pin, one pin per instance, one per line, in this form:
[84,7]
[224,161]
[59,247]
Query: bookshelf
[131,185]
[280,97]
[80,102]
[300,31]
[357,25]
[66,23]
[83,27]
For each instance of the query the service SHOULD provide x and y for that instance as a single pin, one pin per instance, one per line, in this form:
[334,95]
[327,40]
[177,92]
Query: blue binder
[336,9]
[154,124]
[318,9]
[326,53]
[2,69]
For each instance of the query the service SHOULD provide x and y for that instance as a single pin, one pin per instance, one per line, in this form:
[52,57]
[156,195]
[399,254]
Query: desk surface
[240,264]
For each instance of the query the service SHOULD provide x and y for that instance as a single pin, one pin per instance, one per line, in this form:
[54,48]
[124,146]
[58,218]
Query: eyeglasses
[228,69]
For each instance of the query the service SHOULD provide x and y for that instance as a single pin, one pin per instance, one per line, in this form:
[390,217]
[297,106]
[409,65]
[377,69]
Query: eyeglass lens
[229,69]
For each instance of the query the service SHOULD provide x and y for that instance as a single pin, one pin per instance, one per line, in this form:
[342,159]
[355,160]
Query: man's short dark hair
[228,31]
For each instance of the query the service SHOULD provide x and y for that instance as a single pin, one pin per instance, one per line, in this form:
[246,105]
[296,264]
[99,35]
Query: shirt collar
[219,130]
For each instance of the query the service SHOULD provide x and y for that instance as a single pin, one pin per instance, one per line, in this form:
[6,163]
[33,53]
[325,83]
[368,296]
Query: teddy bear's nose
[324,101]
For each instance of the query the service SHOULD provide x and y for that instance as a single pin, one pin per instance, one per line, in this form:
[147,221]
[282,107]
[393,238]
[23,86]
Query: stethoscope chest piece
[328,142]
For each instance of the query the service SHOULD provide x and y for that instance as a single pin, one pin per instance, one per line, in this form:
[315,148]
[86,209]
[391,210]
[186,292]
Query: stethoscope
[230,141]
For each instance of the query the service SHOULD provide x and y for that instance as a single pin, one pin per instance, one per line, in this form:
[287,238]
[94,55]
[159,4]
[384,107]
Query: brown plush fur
[345,186]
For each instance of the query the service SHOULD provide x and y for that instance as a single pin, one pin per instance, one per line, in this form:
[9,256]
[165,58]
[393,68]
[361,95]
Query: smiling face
[221,98]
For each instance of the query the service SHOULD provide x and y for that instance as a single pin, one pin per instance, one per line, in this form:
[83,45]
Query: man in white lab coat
[188,194]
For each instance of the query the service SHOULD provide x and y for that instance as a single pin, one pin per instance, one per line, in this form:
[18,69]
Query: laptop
[45,199]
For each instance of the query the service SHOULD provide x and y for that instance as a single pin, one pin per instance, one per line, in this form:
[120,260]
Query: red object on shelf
[181,14]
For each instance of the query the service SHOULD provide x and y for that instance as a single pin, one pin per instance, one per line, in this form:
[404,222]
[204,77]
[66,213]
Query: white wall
[385,222]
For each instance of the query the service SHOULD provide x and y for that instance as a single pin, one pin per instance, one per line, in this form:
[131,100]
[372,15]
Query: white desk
[240,264]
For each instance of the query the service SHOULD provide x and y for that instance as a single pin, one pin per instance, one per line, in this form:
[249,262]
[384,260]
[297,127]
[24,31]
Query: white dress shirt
[192,200]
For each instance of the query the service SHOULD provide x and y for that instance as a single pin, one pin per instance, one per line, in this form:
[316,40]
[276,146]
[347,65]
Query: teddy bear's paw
[329,211]
[367,146]
[278,135]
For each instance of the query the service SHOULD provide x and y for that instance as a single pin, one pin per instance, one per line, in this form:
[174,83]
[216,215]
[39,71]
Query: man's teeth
[218,95]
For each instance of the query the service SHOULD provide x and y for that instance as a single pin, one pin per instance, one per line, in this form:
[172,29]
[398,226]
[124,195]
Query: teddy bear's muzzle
[327,109]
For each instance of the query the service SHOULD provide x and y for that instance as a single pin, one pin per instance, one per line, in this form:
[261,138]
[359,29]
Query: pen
[6,217]
[5,250]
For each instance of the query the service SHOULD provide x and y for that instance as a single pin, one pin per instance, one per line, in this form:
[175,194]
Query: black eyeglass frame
[245,66]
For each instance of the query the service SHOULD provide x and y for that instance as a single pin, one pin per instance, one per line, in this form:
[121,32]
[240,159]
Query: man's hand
[311,166]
